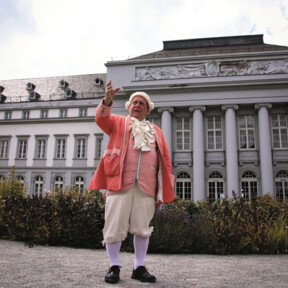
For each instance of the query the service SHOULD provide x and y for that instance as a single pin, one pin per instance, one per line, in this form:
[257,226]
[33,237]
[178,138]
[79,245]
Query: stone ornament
[212,69]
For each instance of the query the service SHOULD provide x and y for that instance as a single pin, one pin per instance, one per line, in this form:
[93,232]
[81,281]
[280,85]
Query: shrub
[62,218]
[68,218]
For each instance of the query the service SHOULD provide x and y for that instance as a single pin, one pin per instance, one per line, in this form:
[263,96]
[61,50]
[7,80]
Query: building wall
[191,95]
[227,86]
[50,129]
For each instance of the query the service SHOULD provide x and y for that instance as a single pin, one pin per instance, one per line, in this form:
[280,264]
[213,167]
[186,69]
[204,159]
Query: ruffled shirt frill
[142,132]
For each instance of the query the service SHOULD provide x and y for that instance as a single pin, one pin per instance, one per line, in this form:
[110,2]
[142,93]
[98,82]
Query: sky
[46,38]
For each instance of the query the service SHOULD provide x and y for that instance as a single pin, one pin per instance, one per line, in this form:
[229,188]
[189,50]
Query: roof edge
[213,42]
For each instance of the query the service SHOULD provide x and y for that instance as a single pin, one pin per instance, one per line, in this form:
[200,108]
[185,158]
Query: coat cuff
[103,110]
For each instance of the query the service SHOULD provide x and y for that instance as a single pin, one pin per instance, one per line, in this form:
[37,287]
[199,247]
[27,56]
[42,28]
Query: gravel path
[47,267]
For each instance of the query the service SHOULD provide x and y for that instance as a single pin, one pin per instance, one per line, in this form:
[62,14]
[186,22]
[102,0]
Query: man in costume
[135,170]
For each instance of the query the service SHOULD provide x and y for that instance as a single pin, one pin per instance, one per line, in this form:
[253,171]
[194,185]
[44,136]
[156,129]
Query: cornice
[46,120]
[181,90]
[241,55]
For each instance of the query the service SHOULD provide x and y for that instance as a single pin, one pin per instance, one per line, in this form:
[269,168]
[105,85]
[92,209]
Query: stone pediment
[212,69]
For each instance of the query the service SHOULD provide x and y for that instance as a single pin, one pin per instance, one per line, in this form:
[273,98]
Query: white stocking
[140,249]
[113,250]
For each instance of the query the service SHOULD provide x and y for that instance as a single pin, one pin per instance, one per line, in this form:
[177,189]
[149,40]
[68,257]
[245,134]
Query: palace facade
[221,103]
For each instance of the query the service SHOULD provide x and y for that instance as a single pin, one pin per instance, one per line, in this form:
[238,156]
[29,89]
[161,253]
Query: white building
[221,103]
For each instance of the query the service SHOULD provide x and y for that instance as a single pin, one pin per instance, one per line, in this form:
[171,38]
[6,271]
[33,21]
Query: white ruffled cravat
[142,132]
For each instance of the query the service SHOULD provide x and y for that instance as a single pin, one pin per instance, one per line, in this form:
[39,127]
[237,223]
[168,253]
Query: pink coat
[108,174]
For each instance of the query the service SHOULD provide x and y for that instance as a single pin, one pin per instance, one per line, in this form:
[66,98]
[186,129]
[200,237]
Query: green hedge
[68,218]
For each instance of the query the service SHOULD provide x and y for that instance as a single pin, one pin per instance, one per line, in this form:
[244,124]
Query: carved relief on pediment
[211,69]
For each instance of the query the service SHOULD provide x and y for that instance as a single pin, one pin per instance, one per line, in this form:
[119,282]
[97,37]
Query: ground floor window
[249,186]
[58,182]
[215,187]
[38,186]
[79,183]
[184,186]
[21,179]
[281,184]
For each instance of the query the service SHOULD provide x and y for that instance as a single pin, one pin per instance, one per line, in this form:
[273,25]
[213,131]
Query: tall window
[58,182]
[21,179]
[8,115]
[44,113]
[4,143]
[81,147]
[60,148]
[281,183]
[82,112]
[247,132]
[183,186]
[38,185]
[22,148]
[183,134]
[26,114]
[79,183]
[249,185]
[63,113]
[99,140]
[41,148]
[280,131]
[156,121]
[214,130]
[215,186]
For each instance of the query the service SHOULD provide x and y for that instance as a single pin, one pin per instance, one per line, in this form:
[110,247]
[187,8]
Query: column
[265,147]
[166,125]
[198,153]
[231,150]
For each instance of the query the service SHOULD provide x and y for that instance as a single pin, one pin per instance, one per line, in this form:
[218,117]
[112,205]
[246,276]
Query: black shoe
[112,275]
[143,275]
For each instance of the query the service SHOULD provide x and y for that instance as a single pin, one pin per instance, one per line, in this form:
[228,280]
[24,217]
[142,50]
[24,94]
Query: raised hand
[109,93]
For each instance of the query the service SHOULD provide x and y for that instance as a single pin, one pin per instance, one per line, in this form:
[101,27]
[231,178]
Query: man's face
[138,108]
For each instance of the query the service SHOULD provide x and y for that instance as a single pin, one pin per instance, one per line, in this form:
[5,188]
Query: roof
[209,46]
[49,86]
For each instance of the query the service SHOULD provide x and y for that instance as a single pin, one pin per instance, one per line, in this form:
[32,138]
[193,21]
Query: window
[99,140]
[79,183]
[156,121]
[184,186]
[183,134]
[38,186]
[82,112]
[2,178]
[214,130]
[26,114]
[80,147]
[215,187]
[21,179]
[58,182]
[8,115]
[280,131]
[44,113]
[247,132]
[281,184]
[249,185]
[60,148]
[4,144]
[63,113]
[41,148]
[22,148]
